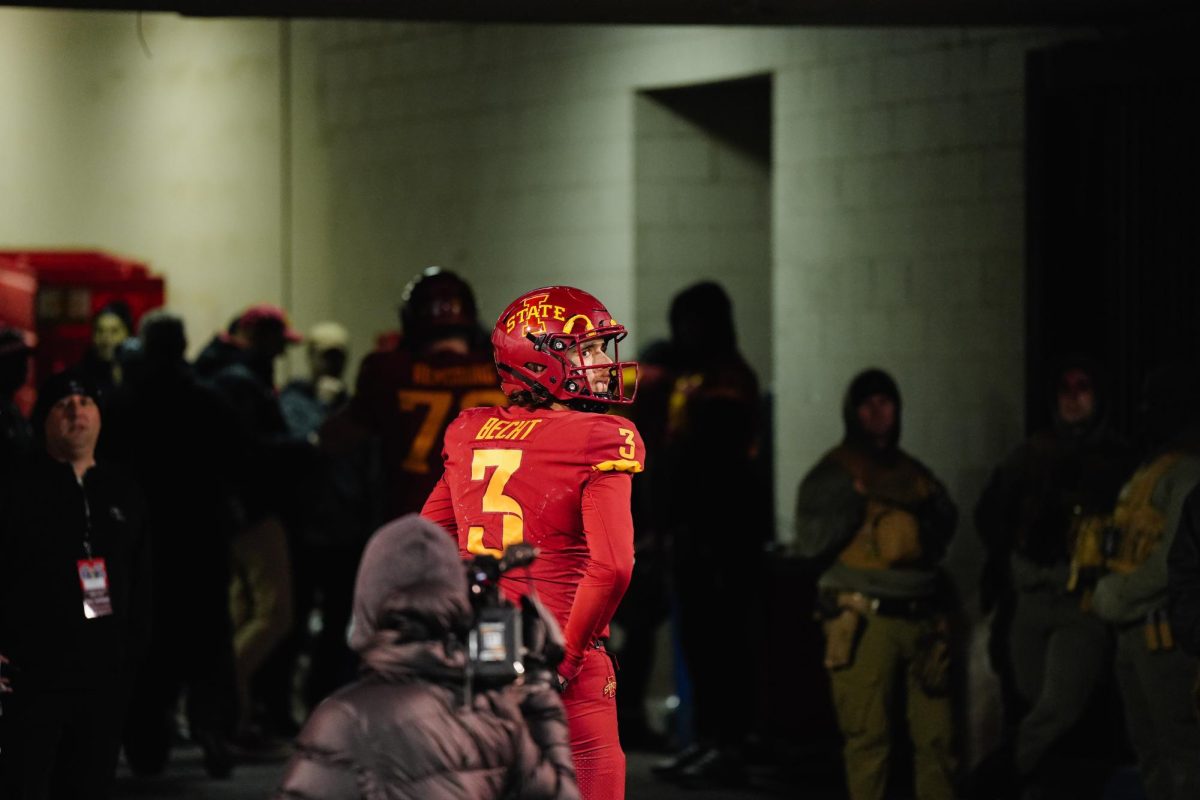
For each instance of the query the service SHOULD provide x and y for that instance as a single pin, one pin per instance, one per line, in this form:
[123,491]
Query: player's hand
[570,666]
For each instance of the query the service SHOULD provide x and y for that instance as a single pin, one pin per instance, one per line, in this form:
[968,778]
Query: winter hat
[55,388]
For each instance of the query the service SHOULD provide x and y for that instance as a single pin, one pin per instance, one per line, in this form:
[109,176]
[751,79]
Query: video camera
[508,642]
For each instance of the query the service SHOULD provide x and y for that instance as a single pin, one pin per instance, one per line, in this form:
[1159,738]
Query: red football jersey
[408,401]
[558,480]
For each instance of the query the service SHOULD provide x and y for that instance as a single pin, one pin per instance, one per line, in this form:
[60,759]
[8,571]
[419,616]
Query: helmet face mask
[537,335]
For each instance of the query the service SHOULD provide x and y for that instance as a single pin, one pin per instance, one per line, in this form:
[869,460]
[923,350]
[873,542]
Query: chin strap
[590,406]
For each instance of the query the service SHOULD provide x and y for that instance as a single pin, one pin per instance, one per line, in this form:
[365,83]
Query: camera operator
[411,726]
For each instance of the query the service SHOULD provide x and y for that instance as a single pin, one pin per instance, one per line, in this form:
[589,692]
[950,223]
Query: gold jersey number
[630,450]
[495,501]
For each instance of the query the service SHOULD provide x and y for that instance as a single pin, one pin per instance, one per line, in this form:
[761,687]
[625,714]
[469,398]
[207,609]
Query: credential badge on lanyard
[93,573]
[93,577]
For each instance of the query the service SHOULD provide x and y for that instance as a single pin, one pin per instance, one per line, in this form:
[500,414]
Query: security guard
[1055,652]
[881,521]
[1155,676]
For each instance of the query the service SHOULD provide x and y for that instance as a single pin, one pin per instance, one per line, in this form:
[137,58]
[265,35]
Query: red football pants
[591,703]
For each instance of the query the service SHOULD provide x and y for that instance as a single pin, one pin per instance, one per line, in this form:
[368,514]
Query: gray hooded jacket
[408,728]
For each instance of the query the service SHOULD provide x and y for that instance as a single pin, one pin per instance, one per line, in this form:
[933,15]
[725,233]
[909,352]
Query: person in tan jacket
[878,521]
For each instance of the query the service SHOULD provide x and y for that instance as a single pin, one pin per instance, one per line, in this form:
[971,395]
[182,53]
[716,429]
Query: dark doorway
[703,177]
[1113,179]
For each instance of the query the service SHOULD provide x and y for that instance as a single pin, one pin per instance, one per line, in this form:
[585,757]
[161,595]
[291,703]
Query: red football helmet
[534,336]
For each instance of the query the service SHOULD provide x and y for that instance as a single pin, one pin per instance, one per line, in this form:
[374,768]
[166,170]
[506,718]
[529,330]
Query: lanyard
[87,519]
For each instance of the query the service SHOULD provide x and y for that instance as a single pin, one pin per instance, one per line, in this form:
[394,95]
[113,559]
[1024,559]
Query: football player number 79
[495,501]
[437,405]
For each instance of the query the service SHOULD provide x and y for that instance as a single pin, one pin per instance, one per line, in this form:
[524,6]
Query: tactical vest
[889,535]
[1122,541]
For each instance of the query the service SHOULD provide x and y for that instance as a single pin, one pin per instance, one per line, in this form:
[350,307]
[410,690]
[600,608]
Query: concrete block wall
[899,201]
[896,200]
[508,153]
[702,212]
[163,146]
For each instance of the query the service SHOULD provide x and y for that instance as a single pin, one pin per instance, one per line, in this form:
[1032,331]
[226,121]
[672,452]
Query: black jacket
[44,514]
[16,437]
[190,476]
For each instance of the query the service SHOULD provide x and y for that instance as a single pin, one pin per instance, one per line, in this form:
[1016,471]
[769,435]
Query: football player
[553,470]
[408,396]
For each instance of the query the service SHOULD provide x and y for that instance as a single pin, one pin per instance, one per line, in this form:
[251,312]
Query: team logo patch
[610,687]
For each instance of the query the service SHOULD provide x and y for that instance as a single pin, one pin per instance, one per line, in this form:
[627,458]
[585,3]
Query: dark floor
[813,778]
[185,778]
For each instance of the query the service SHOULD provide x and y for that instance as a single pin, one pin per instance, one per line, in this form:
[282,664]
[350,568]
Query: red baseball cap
[265,312]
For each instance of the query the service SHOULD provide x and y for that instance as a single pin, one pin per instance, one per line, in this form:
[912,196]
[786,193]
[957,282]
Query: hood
[867,383]
[702,330]
[411,588]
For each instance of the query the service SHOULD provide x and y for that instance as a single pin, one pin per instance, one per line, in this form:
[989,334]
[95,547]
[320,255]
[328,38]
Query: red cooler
[53,294]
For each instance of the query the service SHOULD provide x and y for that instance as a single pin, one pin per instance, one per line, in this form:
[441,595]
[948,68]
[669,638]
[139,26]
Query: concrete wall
[703,210]
[170,155]
[896,207]
[508,153]
[900,241]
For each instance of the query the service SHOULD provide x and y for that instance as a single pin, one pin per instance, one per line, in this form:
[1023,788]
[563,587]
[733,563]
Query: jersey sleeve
[608,527]
[615,446]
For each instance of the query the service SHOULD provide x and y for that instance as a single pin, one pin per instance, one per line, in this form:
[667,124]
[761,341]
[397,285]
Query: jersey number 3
[495,501]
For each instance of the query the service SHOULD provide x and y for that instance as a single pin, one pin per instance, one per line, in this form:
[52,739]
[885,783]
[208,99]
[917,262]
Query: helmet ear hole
[534,367]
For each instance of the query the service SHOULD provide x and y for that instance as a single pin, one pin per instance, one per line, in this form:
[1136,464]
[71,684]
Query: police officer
[879,521]
[1028,515]
[1155,676]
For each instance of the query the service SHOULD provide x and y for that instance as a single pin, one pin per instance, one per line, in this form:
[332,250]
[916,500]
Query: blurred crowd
[224,517]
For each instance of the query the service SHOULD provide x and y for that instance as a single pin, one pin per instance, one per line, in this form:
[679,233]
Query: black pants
[717,609]
[191,649]
[642,611]
[60,744]
[322,580]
